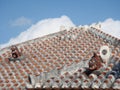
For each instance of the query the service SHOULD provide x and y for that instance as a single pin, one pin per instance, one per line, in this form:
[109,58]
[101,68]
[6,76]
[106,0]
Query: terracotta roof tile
[53,52]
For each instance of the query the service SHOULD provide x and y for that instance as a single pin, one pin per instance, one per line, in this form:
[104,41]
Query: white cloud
[111,27]
[52,25]
[21,21]
[41,28]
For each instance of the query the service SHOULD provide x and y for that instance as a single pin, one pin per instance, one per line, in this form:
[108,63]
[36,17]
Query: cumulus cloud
[111,27]
[41,28]
[52,25]
[21,21]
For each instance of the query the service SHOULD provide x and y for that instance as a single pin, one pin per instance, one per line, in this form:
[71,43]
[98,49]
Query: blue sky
[81,12]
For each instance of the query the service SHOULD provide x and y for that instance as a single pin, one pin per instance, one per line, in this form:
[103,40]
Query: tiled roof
[58,60]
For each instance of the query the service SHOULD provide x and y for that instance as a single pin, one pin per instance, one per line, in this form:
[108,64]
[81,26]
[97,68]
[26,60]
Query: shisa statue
[97,63]
[15,54]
